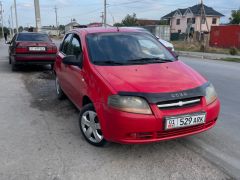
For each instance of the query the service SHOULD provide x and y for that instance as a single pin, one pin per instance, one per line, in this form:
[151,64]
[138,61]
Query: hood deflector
[162,97]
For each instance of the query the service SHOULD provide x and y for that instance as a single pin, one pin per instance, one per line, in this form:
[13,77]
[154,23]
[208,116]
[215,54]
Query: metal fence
[162,31]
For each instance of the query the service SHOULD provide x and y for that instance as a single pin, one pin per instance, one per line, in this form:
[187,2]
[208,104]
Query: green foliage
[118,24]
[129,20]
[233,51]
[20,29]
[235,19]
[61,27]
[164,22]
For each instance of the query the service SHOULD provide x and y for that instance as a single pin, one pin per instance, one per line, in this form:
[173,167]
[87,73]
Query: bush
[233,51]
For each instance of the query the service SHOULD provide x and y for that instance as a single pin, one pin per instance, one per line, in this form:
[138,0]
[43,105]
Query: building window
[178,21]
[203,20]
[179,31]
[189,20]
[193,20]
[214,21]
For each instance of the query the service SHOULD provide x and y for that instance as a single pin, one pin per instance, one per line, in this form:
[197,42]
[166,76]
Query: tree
[130,20]
[118,24]
[235,19]
[61,27]
[20,29]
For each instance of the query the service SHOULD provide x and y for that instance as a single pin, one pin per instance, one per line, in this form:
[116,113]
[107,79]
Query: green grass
[232,59]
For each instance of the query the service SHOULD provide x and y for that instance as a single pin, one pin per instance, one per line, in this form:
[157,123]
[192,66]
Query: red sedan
[31,48]
[130,89]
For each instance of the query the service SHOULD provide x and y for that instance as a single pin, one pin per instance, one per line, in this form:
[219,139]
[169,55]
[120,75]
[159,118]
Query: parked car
[130,89]
[31,48]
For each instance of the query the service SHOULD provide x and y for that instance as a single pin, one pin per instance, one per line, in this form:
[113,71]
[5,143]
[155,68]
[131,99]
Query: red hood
[151,78]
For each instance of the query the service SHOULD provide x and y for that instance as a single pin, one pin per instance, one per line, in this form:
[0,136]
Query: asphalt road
[40,138]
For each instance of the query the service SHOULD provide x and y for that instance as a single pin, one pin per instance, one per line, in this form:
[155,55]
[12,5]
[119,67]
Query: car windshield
[126,48]
[33,37]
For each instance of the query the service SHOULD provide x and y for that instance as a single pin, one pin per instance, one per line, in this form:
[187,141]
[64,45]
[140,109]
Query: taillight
[21,49]
[52,49]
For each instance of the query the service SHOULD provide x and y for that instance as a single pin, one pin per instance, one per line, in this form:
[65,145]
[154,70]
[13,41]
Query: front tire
[59,91]
[90,126]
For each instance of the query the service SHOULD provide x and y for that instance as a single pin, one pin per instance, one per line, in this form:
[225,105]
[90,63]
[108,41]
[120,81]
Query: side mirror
[73,60]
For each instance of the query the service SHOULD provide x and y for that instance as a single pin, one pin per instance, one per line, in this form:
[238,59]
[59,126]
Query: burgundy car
[31,48]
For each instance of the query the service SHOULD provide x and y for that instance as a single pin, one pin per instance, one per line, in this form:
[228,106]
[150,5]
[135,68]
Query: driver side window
[75,47]
[66,44]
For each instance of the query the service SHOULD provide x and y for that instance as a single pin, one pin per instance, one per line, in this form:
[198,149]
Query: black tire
[59,91]
[9,60]
[51,66]
[96,131]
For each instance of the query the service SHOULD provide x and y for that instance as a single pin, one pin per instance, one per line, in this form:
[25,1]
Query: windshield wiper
[150,60]
[108,63]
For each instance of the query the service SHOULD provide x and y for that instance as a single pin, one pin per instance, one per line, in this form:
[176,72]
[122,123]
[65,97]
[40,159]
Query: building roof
[74,23]
[144,22]
[196,10]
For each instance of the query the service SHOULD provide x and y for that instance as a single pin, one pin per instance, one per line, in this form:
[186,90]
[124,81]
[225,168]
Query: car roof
[93,30]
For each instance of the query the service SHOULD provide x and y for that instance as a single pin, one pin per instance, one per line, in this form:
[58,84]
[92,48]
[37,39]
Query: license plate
[184,121]
[37,49]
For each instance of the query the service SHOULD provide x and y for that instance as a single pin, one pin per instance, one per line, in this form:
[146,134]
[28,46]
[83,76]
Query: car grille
[173,104]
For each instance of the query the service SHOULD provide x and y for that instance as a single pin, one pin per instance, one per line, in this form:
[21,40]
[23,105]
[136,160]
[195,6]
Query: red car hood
[151,78]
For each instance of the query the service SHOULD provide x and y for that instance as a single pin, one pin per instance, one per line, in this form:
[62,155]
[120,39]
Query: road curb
[203,56]
[213,56]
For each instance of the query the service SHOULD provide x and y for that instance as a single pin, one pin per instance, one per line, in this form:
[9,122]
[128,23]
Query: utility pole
[9,25]
[105,13]
[37,15]
[102,17]
[16,17]
[201,20]
[56,13]
[205,39]
[2,18]
[12,20]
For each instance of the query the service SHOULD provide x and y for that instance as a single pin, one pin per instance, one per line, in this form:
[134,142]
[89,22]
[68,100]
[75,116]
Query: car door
[75,74]
[60,67]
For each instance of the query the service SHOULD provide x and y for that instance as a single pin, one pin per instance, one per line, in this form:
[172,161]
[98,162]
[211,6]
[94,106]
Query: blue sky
[86,11]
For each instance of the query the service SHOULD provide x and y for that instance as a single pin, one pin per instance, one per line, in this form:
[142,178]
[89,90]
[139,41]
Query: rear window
[33,37]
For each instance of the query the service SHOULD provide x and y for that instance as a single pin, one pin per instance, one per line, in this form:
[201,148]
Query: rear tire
[59,91]
[90,126]
[51,66]
[14,66]
[9,60]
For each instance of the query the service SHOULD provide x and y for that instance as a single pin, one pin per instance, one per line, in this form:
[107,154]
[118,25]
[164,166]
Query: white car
[165,43]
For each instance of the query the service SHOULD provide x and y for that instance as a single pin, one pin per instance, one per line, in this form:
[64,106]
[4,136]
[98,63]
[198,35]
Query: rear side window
[34,37]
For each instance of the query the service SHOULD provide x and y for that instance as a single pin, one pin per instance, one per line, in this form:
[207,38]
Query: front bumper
[128,128]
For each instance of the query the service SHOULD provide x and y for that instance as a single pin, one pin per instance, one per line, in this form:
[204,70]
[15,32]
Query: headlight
[211,94]
[129,104]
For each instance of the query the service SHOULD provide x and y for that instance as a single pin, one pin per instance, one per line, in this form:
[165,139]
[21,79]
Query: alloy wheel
[91,127]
